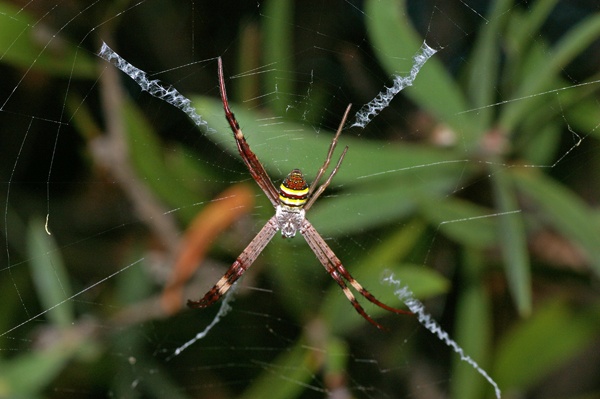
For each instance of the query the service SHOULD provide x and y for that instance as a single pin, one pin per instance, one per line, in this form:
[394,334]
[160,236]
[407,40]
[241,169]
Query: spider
[291,202]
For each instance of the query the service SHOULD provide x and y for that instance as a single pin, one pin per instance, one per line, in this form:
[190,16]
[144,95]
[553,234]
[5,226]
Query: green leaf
[277,45]
[537,346]
[30,373]
[563,210]
[473,327]
[484,65]
[49,274]
[513,241]
[377,203]
[337,355]
[149,159]
[540,79]
[541,141]
[28,43]
[395,42]
[522,29]
[396,245]
[581,114]
[465,222]
[285,376]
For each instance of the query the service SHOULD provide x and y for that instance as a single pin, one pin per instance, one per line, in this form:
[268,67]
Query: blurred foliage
[485,195]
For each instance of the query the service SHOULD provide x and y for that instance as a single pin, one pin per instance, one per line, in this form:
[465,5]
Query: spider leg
[315,195]
[331,149]
[335,268]
[257,170]
[336,276]
[241,264]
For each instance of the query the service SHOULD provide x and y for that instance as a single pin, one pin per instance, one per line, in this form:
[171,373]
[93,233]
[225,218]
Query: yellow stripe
[297,193]
[292,201]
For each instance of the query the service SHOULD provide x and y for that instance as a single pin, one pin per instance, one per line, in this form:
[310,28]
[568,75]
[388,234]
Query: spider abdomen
[293,191]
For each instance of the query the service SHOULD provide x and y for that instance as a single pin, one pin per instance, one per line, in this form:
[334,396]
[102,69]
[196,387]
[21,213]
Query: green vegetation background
[499,122]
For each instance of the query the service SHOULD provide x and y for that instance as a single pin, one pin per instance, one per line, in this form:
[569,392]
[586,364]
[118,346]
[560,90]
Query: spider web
[363,117]
[119,205]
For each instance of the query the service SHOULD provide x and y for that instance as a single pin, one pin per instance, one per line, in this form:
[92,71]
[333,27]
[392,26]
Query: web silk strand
[154,86]
[383,99]
[415,306]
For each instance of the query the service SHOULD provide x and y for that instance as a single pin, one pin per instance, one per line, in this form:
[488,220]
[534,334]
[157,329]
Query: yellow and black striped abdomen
[293,191]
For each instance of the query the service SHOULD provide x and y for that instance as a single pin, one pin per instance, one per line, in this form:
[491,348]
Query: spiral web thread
[383,99]
[417,307]
[154,87]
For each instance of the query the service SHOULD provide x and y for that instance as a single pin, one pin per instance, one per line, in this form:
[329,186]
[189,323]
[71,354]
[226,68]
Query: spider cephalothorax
[293,199]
